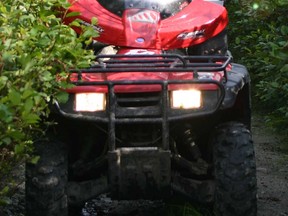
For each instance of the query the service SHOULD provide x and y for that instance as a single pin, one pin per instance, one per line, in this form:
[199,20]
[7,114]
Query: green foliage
[36,51]
[179,206]
[186,210]
[259,40]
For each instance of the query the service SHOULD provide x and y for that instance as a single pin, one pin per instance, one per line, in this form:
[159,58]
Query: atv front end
[151,108]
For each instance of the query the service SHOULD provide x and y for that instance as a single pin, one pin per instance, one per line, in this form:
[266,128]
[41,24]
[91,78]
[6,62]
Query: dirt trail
[272,171]
[272,174]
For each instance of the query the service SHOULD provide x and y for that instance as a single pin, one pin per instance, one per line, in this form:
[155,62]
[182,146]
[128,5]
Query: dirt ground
[272,171]
[272,174]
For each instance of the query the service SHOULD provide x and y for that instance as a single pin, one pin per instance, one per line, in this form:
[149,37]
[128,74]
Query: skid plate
[139,173]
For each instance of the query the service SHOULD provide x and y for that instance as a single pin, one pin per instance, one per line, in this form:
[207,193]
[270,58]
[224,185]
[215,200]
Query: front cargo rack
[166,63]
[157,63]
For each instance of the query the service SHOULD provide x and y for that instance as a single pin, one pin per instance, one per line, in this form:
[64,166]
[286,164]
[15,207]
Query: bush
[259,40]
[36,51]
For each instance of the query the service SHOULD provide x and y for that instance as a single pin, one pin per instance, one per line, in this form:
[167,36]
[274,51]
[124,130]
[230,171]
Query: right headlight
[186,99]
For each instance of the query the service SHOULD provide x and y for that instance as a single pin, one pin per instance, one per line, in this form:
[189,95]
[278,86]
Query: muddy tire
[46,181]
[235,171]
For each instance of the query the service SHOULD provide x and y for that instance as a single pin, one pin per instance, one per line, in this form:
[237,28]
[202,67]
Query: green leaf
[4,201]
[94,21]
[3,81]
[19,149]
[17,135]
[5,190]
[35,159]
[90,33]
[7,57]
[28,105]
[274,84]
[284,30]
[237,40]
[284,68]
[30,118]
[46,76]
[73,14]
[6,140]
[5,114]
[75,23]
[14,97]
[65,4]
[62,97]
[25,61]
[27,93]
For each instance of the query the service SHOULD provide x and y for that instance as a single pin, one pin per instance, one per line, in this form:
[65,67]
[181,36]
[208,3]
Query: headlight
[90,102]
[186,99]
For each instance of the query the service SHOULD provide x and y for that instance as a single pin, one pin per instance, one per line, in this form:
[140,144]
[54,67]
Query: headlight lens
[90,102]
[186,99]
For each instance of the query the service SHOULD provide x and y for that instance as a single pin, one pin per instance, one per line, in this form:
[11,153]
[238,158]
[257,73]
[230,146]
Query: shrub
[35,47]
[259,39]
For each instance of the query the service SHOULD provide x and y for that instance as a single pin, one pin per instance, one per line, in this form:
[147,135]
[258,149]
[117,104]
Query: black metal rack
[156,63]
[149,63]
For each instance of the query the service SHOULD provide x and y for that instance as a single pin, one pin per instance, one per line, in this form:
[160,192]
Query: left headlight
[90,102]
[186,99]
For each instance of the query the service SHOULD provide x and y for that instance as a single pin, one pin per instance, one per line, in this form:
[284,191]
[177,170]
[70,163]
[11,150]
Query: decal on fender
[191,35]
[144,17]
[97,28]
[139,52]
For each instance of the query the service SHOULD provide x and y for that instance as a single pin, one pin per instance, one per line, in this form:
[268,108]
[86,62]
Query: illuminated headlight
[90,102]
[186,99]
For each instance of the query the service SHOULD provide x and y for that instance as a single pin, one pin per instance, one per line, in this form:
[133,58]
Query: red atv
[163,111]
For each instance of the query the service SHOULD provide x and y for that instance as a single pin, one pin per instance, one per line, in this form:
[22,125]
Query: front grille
[145,104]
[138,99]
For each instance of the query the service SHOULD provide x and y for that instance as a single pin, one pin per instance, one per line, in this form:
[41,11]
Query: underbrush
[258,38]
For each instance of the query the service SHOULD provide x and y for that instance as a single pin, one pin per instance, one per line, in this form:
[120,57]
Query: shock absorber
[186,145]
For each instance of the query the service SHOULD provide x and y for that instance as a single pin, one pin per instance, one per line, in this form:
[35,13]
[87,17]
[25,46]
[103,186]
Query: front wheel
[46,181]
[235,171]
